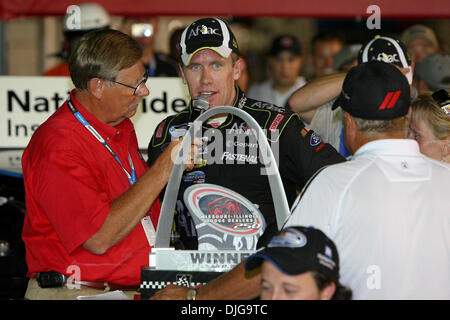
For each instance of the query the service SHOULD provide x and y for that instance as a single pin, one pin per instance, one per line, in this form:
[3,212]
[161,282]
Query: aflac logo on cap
[388,58]
[203,30]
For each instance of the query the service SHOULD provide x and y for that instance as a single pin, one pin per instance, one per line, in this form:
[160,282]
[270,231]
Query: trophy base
[186,268]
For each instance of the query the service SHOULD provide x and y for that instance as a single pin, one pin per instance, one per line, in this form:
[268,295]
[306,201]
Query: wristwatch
[191,294]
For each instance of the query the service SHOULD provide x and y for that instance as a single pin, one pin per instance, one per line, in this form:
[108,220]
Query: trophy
[228,225]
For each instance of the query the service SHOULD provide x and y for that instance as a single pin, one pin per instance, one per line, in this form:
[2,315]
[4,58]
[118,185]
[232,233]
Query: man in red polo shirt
[92,203]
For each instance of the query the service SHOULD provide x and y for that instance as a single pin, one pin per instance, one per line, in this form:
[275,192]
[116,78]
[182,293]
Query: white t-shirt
[388,211]
[328,123]
[264,91]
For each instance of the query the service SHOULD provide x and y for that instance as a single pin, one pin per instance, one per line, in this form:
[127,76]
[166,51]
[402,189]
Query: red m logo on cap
[390,100]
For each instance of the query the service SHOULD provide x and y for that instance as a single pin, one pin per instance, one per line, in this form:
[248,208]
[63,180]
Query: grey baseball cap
[435,71]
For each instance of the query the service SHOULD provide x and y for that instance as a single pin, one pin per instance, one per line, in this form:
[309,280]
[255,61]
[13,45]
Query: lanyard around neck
[131,176]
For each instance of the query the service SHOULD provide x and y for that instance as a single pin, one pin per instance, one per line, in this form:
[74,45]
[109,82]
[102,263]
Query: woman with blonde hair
[430,124]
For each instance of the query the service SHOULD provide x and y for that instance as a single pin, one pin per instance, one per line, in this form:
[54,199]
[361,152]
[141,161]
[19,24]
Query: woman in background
[430,124]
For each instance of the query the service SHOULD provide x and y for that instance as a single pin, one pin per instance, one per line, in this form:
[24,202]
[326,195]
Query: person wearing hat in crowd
[299,263]
[387,209]
[430,124]
[314,101]
[420,41]
[92,17]
[433,73]
[210,66]
[346,58]
[92,202]
[284,64]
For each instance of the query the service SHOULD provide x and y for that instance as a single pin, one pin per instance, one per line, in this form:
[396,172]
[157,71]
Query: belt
[53,279]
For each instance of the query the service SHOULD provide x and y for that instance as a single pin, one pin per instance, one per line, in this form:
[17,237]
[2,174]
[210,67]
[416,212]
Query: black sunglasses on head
[442,98]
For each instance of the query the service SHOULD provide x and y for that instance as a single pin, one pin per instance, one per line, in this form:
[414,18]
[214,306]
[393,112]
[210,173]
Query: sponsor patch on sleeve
[160,129]
[304,131]
[316,141]
[276,122]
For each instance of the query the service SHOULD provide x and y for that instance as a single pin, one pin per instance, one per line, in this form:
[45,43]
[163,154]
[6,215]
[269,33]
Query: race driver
[210,67]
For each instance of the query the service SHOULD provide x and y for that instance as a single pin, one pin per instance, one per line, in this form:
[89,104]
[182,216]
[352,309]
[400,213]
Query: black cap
[389,50]
[207,33]
[285,43]
[375,91]
[296,250]
[386,49]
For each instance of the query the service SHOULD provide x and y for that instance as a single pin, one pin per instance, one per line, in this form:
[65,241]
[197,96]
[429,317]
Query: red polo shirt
[70,180]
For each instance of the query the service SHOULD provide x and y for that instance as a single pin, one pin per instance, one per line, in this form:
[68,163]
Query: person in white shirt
[314,101]
[387,209]
[284,63]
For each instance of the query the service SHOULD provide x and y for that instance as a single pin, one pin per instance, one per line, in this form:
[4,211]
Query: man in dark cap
[284,63]
[299,263]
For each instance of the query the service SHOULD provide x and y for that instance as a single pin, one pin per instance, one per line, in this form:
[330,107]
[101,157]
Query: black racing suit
[301,153]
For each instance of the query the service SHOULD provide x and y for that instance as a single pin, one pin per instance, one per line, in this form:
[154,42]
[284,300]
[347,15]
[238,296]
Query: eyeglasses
[442,98]
[139,85]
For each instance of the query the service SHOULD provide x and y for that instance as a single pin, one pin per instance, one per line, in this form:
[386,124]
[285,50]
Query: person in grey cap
[346,58]
[299,263]
[433,73]
[387,209]
[420,41]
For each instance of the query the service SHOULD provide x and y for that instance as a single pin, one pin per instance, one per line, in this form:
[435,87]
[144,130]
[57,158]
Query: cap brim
[294,52]
[277,257]
[222,51]
[338,102]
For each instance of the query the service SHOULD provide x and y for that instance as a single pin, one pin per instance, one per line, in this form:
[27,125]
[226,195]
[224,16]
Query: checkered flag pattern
[157,285]
[184,279]
[154,280]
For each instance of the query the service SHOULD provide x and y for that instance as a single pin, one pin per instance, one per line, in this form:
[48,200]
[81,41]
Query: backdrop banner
[26,102]
[253,8]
